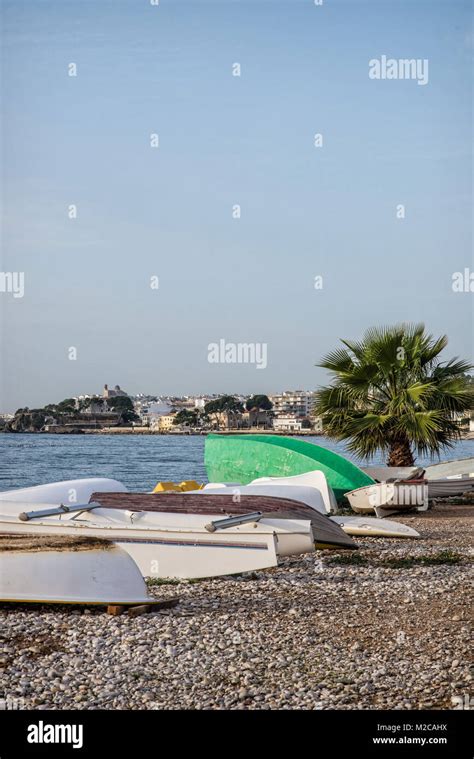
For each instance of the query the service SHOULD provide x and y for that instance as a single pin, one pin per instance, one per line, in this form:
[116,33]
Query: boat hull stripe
[194,543]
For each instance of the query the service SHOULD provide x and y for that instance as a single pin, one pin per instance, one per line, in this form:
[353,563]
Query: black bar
[341,733]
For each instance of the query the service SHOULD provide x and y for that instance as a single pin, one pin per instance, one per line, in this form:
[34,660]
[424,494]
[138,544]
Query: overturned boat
[445,479]
[385,498]
[372,527]
[449,487]
[68,570]
[246,458]
[316,480]
[169,545]
[68,492]
[179,542]
[393,473]
[289,487]
[279,509]
[462,468]
[450,478]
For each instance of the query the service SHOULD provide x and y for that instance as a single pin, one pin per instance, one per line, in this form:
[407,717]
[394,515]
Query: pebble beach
[384,627]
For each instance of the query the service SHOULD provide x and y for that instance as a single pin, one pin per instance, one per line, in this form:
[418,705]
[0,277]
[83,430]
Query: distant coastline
[170,433]
[465,435]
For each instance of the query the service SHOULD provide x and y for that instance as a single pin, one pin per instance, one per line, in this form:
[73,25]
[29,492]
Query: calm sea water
[138,461]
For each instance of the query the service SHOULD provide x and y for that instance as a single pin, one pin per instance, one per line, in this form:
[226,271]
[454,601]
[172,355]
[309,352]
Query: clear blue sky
[226,140]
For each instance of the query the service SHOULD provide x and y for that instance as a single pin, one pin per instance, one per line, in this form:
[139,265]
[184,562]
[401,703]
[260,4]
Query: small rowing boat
[171,545]
[245,458]
[385,498]
[69,570]
[278,509]
[372,527]
[309,496]
[449,487]
[462,468]
[393,473]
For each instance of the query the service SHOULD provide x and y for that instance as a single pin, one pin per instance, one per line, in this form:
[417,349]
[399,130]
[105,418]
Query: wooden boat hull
[244,458]
[68,570]
[325,532]
[309,496]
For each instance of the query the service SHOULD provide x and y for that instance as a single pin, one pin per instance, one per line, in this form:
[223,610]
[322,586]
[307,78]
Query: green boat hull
[243,458]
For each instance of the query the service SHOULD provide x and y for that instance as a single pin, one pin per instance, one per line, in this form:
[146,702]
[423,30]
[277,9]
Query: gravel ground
[310,634]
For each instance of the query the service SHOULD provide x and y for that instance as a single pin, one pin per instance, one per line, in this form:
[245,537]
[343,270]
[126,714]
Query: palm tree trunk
[400,453]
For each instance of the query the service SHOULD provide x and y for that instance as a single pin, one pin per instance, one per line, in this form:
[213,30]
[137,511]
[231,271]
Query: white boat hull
[95,576]
[386,498]
[67,492]
[372,527]
[172,545]
[444,469]
[312,481]
[449,487]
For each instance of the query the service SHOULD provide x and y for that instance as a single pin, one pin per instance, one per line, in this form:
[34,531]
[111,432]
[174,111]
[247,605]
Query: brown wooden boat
[327,533]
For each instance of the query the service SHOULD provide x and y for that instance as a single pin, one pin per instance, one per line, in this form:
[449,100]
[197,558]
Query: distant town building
[257,419]
[293,423]
[151,414]
[288,423]
[91,404]
[113,393]
[227,420]
[80,422]
[97,406]
[4,419]
[292,402]
[163,422]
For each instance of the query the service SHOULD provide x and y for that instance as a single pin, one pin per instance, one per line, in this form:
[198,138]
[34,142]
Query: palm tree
[391,393]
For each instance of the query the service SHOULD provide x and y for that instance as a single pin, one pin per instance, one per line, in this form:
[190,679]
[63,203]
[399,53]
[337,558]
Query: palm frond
[337,361]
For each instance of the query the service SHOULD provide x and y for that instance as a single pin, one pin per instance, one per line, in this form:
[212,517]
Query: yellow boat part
[177,487]
[166,487]
[329,546]
[190,485]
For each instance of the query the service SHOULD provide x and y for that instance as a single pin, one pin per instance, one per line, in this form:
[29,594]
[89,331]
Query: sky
[89,314]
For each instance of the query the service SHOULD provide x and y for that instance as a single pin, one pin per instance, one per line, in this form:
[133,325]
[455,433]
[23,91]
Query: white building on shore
[287,423]
[293,411]
[293,402]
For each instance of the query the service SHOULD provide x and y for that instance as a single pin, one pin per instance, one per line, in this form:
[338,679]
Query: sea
[139,461]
